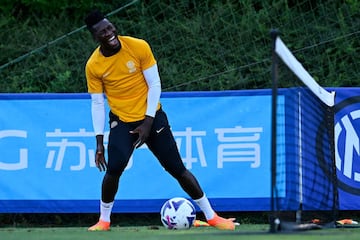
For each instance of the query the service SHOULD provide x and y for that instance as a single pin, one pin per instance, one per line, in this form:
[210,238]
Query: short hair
[93,18]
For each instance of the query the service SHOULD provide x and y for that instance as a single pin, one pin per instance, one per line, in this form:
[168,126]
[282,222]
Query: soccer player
[125,70]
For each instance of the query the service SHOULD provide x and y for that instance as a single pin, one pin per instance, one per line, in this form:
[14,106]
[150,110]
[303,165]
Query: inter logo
[347,144]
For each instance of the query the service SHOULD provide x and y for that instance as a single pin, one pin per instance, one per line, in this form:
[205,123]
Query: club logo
[347,144]
[131,66]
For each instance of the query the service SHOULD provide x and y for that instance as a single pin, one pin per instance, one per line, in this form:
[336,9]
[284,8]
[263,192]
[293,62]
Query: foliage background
[199,45]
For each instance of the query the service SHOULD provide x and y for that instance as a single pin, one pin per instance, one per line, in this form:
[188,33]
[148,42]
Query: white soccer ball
[178,213]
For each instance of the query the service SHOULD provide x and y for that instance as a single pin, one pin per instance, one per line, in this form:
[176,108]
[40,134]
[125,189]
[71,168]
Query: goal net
[304,190]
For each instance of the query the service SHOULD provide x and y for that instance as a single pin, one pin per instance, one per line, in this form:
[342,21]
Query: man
[124,68]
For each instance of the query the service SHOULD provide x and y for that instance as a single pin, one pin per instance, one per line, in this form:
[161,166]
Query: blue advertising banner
[347,147]
[47,161]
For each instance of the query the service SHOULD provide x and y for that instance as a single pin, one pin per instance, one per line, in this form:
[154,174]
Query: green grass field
[245,231]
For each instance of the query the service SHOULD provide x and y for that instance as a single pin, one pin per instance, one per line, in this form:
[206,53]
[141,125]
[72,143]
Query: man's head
[103,32]
[93,18]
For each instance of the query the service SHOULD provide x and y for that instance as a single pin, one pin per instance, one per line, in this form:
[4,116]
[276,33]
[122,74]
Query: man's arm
[98,113]
[152,78]
[98,120]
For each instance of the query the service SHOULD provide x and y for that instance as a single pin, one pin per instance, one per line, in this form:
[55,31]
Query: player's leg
[163,145]
[120,148]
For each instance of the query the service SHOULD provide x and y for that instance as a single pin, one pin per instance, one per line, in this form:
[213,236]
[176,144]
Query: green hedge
[199,45]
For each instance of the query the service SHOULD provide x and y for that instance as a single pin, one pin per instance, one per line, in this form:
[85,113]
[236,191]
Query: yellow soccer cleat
[199,223]
[222,223]
[100,226]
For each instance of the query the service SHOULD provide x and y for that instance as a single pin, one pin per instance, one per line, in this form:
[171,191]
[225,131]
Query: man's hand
[100,160]
[99,155]
[143,130]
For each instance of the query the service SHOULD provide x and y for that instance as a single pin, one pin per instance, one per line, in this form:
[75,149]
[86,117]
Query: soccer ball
[178,213]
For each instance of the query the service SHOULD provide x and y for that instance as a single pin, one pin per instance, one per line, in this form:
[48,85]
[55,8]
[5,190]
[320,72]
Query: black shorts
[161,143]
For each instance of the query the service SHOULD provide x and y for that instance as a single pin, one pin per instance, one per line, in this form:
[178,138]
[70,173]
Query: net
[304,192]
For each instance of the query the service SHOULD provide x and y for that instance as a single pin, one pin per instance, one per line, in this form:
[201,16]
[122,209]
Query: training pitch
[245,231]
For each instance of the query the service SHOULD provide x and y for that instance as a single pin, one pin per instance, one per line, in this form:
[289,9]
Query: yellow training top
[120,77]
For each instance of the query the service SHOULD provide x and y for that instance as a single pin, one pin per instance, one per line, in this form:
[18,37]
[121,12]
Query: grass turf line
[244,231]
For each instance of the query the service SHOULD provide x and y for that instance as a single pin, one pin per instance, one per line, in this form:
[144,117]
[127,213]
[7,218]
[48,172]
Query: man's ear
[94,36]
